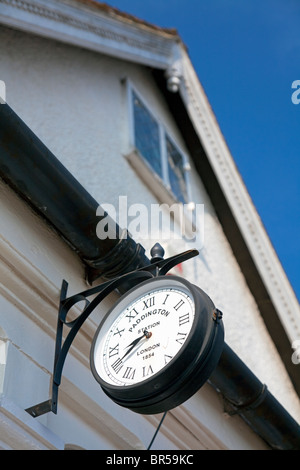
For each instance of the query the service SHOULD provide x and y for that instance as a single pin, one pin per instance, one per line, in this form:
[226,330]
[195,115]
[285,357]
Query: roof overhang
[100,28]
[93,26]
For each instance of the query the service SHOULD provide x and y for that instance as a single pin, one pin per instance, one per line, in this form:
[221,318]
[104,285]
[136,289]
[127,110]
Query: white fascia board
[78,25]
[237,196]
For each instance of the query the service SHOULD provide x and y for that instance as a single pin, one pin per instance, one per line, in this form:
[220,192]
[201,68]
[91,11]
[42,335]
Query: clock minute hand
[146,334]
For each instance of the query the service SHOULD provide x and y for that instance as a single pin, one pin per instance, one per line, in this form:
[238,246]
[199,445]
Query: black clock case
[184,375]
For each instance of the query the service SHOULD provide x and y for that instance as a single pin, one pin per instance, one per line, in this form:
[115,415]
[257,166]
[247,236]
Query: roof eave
[81,23]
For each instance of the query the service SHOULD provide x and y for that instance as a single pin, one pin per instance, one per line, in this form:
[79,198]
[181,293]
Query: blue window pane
[146,135]
[176,172]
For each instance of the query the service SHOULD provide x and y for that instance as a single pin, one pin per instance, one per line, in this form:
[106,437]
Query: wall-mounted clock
[157,345]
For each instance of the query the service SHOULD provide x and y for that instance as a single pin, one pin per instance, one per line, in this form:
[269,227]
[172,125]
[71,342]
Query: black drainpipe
[42,181]
[245,395]
[29,167]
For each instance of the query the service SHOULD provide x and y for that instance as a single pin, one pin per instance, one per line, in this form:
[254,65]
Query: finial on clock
[157,253]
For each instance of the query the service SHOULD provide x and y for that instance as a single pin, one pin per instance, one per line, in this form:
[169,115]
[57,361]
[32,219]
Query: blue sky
[247,55]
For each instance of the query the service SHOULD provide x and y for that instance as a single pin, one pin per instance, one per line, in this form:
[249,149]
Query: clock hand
[146,334]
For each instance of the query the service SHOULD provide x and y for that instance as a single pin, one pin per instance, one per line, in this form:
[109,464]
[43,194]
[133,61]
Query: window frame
[164,134]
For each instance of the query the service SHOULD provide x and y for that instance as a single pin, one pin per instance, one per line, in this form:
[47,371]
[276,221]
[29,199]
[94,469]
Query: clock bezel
[190,367]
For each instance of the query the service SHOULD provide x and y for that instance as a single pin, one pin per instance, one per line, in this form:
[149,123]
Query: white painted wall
[75,101]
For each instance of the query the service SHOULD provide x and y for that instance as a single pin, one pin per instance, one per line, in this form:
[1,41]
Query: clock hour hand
[146,334]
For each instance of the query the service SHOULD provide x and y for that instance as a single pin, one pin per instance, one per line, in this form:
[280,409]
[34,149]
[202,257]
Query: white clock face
[139,338]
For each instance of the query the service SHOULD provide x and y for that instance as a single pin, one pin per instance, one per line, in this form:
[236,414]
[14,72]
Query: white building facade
[86,79]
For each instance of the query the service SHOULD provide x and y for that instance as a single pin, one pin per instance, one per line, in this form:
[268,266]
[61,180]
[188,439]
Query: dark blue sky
[247,55]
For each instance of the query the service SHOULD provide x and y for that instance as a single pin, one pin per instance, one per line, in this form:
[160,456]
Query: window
[176,172]
[157,148]
[146,135]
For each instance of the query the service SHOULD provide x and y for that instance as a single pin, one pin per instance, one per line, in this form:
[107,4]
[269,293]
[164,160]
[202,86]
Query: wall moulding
[25,286]
[21,432]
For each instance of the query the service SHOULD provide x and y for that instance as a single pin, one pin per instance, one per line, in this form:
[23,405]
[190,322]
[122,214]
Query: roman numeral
[129,373]
[165,299]
[119,332]
[168,358]
[132,316]
[147,370]
[180,304]
[117,365]
[184,319]
[149,303]
[181,337]
[113,351]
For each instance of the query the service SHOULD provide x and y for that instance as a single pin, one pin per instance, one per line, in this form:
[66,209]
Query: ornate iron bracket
[157,267]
